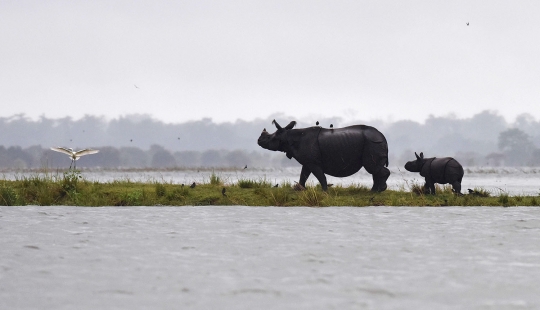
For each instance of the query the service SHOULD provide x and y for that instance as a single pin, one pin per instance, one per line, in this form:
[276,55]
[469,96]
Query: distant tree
[237,158]
[516,146]
[133,157]
[163,159]
[108,157]
[535,158]
[188,158]
[212,158]
[35,152]
[17,158]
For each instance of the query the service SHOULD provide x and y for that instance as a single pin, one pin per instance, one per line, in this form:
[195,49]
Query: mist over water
[140,141]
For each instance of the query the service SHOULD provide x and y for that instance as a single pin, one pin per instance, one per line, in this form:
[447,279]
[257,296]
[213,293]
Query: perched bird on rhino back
[339,152]
[445,170]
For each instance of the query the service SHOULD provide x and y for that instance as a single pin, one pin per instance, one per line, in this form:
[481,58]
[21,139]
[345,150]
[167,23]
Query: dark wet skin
[339,152]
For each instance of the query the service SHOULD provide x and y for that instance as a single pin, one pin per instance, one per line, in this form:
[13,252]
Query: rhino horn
[291,125]
[276,123]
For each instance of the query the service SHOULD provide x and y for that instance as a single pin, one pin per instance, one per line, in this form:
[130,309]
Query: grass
[71,188]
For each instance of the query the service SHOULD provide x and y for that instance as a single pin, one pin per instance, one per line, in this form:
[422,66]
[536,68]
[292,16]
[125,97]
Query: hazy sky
[227,60]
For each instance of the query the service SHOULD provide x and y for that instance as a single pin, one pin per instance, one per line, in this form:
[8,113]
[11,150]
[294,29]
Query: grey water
[234,257]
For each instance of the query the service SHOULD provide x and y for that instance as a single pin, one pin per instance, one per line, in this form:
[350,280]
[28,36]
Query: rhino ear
[276,123]
[417,157]
[291,125]
[422,155]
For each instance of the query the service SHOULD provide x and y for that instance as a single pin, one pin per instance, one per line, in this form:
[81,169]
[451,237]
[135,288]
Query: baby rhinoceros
[437,170]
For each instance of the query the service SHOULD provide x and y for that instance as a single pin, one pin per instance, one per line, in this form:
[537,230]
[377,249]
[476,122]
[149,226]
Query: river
[236,257]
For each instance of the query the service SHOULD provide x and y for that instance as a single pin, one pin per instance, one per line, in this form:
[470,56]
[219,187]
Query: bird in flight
[135,86]
[74,155]
[467,23]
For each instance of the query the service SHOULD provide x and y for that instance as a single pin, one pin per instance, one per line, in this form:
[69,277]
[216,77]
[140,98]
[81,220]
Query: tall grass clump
[504,200]
[312,197]
[417,189]
[215,179]
[8,196]
[160,188]
[280,196]
[249,183]
[70,181]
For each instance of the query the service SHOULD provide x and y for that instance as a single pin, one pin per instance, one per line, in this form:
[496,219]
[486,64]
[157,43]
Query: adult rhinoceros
[339,152]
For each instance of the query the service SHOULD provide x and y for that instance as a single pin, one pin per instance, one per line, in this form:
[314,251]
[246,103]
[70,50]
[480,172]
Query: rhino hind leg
[456,187]
[379,179]
[375,160]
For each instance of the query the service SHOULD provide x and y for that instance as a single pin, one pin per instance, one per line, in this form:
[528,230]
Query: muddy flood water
[269,258]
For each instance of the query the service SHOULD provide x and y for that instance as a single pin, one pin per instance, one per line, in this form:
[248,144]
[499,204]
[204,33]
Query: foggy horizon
[189,60]
[283,115]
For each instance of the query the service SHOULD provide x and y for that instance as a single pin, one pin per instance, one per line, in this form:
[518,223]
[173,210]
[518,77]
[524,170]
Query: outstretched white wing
[85,152]
[62,150]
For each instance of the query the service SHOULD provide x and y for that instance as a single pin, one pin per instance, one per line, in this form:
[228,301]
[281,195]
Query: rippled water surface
[269,258]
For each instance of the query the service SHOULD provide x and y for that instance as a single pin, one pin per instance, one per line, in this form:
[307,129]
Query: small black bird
[182,185]
[276,185]
[332,126]
[223,192]
[467,23]
[317,123]
[245,167]
[192,185]
[130,140]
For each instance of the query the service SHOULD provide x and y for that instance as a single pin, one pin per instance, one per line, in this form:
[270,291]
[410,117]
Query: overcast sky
[228,60]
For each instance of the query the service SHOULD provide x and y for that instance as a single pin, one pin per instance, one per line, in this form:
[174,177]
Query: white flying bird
[74,155]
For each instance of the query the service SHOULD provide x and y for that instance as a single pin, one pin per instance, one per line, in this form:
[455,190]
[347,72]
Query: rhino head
[415,165]
[276,141]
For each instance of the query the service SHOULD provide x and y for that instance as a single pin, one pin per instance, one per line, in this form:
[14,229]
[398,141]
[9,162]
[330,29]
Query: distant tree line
[137,141]
[132,157]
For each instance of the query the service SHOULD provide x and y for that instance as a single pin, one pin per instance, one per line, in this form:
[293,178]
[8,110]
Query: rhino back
[341,150]
[443,170]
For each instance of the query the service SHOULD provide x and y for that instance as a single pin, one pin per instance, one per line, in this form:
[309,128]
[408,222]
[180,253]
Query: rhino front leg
[304,175]
[319,174]
[429,187]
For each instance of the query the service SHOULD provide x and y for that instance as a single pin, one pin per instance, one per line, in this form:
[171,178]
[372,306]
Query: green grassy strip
[72,189]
